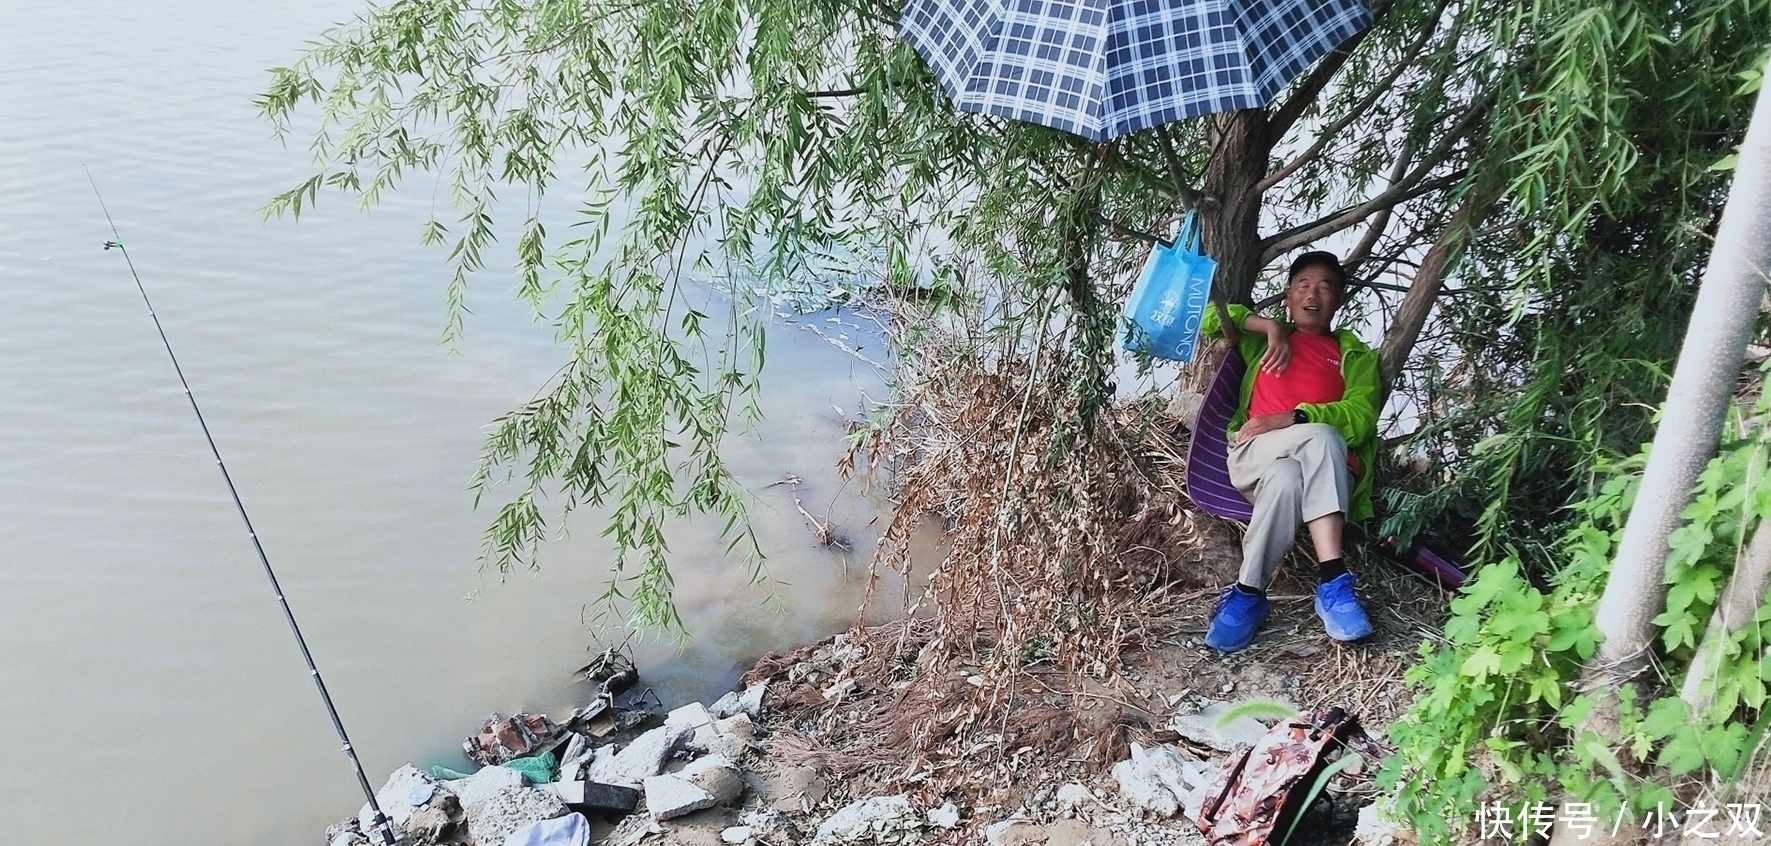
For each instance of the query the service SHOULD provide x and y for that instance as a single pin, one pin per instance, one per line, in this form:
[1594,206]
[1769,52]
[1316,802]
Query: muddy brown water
[149,692]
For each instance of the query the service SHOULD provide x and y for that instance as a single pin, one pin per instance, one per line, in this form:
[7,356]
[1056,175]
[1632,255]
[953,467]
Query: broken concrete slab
[508,810]
[668,797]
[1014,833]
[395,797]
[693,715]
[1202,728]
[476,789]
[736,835]
[643,757]
[1180,776]
[737,725]
[716,775]
[1073,795]
[1144,790]
[726,705]
[880,819]
[434,822]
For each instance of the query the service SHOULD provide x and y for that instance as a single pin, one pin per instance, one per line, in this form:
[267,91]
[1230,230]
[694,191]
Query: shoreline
[845,741]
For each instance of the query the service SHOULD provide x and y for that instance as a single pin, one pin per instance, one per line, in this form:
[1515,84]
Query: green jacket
[1355,415]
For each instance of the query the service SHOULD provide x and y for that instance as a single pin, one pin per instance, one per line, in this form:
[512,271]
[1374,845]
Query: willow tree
[1526,187]
[772,135]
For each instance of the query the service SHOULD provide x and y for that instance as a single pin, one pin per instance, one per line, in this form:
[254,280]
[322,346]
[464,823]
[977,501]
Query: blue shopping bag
[1169,299]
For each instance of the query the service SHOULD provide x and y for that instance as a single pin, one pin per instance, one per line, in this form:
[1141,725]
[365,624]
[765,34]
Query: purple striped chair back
[1208,470]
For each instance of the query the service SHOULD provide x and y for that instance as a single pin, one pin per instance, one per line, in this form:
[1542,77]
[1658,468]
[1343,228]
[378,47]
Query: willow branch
[1183,189]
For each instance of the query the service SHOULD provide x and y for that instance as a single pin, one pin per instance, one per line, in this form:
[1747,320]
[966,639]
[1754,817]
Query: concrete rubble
[1203,728]
[700,777]
[642,758]
[880,820]
[669,797]
[596,778]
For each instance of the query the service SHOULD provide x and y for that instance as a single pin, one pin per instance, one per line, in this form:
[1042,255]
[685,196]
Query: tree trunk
[1230,203]
[1739,601]
[1424,291]
[1703,383]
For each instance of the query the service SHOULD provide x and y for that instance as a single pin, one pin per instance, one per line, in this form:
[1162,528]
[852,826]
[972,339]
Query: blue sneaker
[1340,610]
[1234,621]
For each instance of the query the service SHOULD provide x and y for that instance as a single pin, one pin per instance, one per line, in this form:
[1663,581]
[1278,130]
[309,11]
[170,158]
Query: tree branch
[1183,190]
[1328,133]
[1378,224]
[1306,92]
[1428,282]
[1299,235]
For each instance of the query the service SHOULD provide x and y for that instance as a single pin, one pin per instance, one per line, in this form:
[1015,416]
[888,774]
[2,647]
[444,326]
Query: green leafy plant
[1496,717]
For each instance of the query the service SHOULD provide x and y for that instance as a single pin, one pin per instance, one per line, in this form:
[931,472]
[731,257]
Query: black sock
[1331,569]
[1254,591]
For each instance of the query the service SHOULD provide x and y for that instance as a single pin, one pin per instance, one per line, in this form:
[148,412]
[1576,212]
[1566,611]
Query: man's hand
[1278,353]
[1262,425]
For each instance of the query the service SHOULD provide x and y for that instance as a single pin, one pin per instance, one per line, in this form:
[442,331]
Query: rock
[668,797]
[433,822]
[752,701]
[730,747]
[1014,833]
[395,797]
[483,785]
[771,826]
[716,775]
[504,812]
[1185,779]
[878,820]
[576,751]
[736,835]
[946,816]
[729,737]
[726,705]
[1202,728]
[737,725]
[1074,795]
[1144,790]
[1373,830]
[642,758]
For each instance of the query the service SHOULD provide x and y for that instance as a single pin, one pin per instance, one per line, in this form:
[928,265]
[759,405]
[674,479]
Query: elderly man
[1301,448]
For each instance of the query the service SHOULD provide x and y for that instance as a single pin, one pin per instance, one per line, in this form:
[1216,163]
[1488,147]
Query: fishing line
[381,820]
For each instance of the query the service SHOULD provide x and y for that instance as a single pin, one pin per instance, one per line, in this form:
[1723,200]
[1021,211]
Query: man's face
[1312,298]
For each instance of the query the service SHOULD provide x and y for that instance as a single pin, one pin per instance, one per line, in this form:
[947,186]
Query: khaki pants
[1292,475]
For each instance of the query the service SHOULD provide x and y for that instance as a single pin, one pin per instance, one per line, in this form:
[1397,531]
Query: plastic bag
[1168,301]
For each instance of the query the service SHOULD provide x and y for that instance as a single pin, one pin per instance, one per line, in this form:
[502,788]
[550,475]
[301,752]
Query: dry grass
[1074,575]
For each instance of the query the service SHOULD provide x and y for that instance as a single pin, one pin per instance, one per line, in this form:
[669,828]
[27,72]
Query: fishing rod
[382,824]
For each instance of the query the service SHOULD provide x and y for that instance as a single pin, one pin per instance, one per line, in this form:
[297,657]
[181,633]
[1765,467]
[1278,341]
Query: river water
[149,690]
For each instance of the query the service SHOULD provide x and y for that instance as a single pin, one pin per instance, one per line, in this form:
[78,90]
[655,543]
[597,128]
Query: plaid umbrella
[1106,68]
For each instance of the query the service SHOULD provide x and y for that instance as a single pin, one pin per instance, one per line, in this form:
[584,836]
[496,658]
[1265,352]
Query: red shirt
[1313,376]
